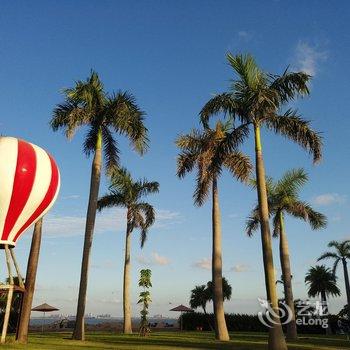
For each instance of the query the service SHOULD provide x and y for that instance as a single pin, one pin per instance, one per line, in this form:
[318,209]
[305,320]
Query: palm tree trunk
[221,332]
[32,267]
[287,279]
[276,337]
[325,310]
[79,329]
[127,326]
[347,284]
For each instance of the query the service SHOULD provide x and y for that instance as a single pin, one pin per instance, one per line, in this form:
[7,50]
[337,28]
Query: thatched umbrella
[44,308]
[181,308]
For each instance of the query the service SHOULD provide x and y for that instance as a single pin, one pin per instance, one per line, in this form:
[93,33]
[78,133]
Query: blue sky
[171,56]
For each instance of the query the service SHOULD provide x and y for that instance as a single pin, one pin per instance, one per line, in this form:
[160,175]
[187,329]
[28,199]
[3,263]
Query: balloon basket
[11,295]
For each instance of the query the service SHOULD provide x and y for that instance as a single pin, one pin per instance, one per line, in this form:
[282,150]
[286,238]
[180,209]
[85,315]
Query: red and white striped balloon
[29,185]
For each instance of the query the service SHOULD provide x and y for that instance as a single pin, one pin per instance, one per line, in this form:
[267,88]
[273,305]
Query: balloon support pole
[10,288]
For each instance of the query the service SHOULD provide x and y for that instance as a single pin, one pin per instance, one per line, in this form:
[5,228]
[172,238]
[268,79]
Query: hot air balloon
[29,185]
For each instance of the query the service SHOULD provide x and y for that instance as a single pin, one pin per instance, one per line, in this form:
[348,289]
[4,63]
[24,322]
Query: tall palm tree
[126,193]
[283,199]
[210,151]
[341,253]
[255,100]
[321,282]
[87,104]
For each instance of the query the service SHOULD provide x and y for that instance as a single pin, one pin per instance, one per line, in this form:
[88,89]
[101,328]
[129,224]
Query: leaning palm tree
[32,268]
[210,151]
[255,100]
[87,104]
[283,199]
[341,253]
[321,282]
[126,193]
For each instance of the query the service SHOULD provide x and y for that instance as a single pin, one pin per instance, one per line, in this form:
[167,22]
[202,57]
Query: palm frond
[316,219]
[185,163]
[291,182]
[233,139]
[222,103]
[334,244]
[90,141]
[148,212]
[239,165]
[127,118]
[110,200]
[292,126]
[147,187]
[328,255]
[253,222]
[110,150]
[202,189]
[69,116]
[88,93]
[121,180]
[143,237]
[191,142]
[247,69]
[290,85]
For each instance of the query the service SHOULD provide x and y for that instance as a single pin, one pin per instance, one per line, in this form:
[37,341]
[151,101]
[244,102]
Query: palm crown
[87,104]
[210,151]
[257,97]
[321,280]
[283,197]
[342,251]
[127,193]
[201,295]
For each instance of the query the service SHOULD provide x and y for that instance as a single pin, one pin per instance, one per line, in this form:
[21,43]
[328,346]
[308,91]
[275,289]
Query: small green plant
[145,300]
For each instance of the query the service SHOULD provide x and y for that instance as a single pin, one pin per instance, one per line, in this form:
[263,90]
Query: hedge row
[248,323]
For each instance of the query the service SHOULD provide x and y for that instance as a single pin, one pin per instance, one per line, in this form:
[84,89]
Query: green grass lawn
[172,340]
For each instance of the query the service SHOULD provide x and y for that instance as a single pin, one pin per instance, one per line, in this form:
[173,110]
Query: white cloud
[240,268]
[160,260]
[204,264]
[165,218]
[336,218]
[110,220]
[71,196]
[154,259]
[106,265]
[329,198]
[56,225]
[244,35]
[308,57]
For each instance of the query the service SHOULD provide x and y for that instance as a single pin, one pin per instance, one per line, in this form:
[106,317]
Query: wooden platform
[15,288]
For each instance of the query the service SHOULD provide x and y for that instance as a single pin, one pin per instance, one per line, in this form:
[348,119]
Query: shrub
[247,323]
